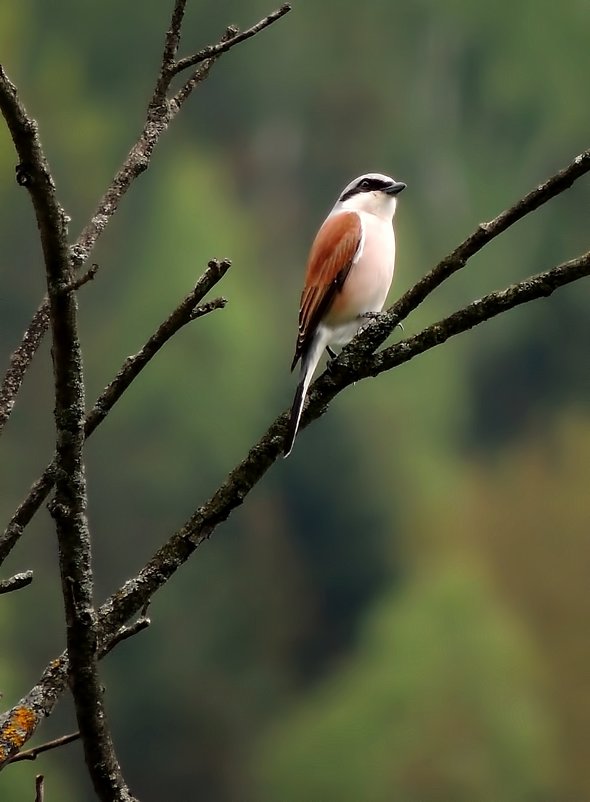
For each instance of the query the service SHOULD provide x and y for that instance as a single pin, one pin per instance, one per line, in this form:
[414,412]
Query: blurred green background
[400,611]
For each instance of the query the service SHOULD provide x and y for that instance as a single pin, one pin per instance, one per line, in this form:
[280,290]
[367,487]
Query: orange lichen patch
[17,729]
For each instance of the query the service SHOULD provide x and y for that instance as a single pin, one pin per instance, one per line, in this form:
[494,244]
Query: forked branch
[162,108]
[189,309]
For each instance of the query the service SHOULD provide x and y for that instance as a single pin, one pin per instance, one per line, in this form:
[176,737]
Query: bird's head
[374,193]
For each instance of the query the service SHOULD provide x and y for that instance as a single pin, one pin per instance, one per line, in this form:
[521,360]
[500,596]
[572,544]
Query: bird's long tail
[296,411]
[308,365]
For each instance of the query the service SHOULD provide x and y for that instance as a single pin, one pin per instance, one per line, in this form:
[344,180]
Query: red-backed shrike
[349,272]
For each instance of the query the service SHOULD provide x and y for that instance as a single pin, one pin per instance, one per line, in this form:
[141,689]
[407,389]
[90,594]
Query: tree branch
[212,51]
[16,582]
[188,310]
[68,510]
[33,173]
[530,289]
[19,363]
[69,506]
[161,111]
[31,754]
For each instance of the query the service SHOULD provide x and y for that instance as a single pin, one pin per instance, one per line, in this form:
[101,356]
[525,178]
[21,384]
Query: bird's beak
[395,188]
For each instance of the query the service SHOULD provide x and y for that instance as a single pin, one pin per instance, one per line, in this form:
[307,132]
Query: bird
[348,275]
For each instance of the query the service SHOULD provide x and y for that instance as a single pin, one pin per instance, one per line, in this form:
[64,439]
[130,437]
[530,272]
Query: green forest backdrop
[400,611]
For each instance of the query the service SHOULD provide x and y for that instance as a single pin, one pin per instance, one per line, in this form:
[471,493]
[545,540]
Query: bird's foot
[370,317]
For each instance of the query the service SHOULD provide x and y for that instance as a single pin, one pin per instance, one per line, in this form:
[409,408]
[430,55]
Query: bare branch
[376,334]
[19,362]
[16,582]
[212,51]
[32,173]
[198,76]
[19,724]
[173,34]
[126,632]
[31,754]
[69,507]
[83,279]
[530,289]
[210,306]
[160,113]
[185,312]
[39,788]
[25,511]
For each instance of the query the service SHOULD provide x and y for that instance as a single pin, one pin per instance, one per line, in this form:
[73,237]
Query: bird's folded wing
[335,249]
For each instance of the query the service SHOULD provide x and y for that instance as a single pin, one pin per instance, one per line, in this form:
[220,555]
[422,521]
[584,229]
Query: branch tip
[16,582]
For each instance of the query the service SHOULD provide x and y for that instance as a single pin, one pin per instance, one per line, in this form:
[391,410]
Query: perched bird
[349,272]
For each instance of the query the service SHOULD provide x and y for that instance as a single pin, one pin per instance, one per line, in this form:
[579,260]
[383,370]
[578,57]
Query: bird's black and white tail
[309,362]
[296,410]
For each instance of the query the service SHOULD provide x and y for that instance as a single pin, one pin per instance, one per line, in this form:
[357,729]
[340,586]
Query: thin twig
[199,75]
[20,360]
[32,173]
[213,51]
[209,306]
[19,724]
[126,632]
[171,43]
[185,312]
[16,582]
[69,505]
[31,754]
[39,788]
[160,113]
[133,365]
[83,279]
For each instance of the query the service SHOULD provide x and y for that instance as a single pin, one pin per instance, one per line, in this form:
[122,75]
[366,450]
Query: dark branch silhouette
[32,754]
[16,582]
[39,788]
[59,313]
[188,310]
[162,109]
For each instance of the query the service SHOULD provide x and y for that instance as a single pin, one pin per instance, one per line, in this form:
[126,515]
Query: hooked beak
[395,188]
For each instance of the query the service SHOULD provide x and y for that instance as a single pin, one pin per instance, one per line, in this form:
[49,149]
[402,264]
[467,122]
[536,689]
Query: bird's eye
[365,184]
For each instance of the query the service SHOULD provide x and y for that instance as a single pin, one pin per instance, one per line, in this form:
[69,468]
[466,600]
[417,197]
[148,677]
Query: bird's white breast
[368,282]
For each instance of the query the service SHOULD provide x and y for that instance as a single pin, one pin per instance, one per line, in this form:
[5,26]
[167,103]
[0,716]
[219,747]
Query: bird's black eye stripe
[370,184]
[365,185]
